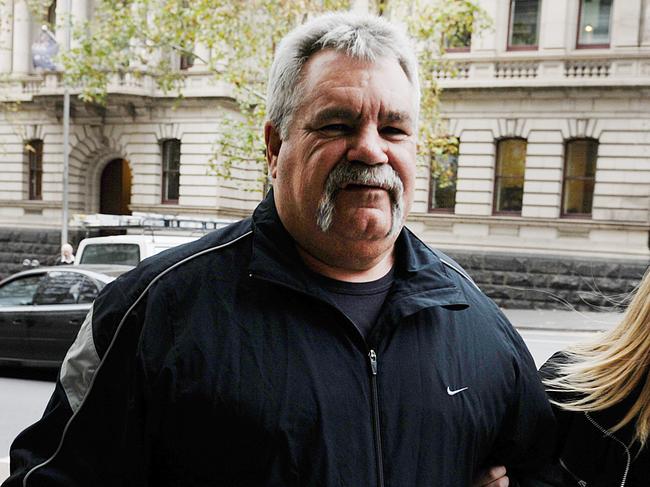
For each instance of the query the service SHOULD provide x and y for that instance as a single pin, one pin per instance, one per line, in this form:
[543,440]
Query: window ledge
[562,222]
[30,204]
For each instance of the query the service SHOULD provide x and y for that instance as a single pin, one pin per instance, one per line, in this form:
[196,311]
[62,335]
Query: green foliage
[431,22]
[145,37]
[442,149]
[434,24]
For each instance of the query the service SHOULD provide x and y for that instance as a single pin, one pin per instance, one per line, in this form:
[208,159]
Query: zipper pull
[373,361]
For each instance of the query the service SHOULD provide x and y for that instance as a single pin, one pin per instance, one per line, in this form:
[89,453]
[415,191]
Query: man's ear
[273,143]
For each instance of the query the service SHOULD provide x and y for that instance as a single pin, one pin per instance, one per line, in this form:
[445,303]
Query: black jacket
[587,454]
[222,363]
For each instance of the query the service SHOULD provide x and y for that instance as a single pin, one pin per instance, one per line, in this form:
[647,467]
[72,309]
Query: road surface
[547,331]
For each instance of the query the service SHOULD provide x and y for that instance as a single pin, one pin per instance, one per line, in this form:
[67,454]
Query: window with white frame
[594,23]
[34,157]
[523,31]
[171,165]
[509,176]
[444,174]
[579,177]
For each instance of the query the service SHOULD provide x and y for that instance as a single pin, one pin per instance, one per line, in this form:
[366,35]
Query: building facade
[552,112]
[548,193]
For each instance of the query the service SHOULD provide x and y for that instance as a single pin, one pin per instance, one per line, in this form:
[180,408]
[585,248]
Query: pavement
[560,320]
[548,331]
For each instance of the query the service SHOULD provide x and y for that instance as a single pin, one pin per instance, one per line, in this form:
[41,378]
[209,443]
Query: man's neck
[376,271]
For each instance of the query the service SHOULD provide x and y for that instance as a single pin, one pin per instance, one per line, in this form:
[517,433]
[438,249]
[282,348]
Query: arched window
[171,166]
[579,177]
[509,175]
[34,158]
[444,172]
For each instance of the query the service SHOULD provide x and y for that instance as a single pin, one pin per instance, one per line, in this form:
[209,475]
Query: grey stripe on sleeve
[80,364]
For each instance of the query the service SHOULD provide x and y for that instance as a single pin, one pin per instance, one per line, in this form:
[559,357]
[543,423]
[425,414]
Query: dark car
[42,309]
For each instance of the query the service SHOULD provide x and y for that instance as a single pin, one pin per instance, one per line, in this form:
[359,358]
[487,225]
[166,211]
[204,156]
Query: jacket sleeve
[91,432]
[527,436]
[552,474]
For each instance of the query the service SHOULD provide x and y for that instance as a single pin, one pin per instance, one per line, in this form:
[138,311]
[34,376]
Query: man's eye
[393,131]
[335,128]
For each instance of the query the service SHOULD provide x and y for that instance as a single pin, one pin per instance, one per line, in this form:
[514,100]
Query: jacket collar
[421,280]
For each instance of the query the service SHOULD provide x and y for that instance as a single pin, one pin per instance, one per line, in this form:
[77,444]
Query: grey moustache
[347,173]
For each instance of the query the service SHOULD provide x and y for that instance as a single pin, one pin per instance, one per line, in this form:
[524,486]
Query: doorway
[115,188]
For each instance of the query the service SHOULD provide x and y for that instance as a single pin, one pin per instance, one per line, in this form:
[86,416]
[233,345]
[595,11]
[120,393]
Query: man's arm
[527,436]
[91,433]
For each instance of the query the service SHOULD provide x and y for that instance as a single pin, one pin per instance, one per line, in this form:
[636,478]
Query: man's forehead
[335,81]
[327,60]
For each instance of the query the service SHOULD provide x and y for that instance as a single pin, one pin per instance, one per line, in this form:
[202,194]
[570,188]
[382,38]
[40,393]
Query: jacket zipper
[581,483]
[609,434]
[372,355]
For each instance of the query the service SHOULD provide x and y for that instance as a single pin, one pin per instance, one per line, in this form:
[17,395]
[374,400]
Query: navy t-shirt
[359,301]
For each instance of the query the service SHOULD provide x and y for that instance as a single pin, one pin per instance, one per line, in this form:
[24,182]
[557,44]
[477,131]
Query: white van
[126,249]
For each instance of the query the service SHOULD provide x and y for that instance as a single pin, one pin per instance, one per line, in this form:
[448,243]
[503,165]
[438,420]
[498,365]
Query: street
[24,395]
[22,402]
[547,331]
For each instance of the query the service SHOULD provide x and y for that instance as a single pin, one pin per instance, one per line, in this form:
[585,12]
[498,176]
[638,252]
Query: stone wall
[552,282]
[16,245]
[517,281]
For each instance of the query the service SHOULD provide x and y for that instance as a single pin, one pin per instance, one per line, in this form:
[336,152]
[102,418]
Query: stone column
[645,24]
[360,6]
[22,38]
[486,41]
[79,15]
[553,26]
[59,30]
[6,35]
[625,25]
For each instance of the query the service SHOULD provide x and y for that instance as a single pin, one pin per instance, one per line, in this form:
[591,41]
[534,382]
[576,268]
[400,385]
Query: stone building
[548,198]
[552,112]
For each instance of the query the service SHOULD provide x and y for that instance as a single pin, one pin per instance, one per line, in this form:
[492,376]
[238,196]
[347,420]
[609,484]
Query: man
[318,342]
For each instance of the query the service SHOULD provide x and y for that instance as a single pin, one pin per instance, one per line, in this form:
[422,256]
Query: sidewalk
[557,320]
[4,468]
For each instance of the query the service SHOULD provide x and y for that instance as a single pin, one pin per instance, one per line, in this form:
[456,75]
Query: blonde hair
[600,374]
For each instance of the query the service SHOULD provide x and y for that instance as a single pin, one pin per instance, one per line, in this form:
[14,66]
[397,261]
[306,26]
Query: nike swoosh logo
[453,393]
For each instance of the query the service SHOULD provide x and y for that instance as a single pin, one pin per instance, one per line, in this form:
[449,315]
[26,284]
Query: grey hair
[364,37]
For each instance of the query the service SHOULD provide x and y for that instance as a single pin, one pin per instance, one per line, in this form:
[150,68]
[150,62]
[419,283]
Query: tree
[145,37]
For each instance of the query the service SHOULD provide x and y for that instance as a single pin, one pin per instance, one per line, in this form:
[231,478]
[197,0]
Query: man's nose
[368,147]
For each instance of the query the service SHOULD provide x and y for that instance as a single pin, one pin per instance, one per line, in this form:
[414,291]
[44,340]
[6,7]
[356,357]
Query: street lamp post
[66,130]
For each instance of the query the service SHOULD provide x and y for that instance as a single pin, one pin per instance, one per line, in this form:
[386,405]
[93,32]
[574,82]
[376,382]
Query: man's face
[347,167]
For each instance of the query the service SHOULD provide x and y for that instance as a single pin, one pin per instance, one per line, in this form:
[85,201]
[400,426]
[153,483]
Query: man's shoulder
[455,269]
[426,253]
[167,264]
[482,314]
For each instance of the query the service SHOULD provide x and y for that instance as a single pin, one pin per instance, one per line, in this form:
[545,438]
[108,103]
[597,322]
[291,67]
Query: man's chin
[362,229]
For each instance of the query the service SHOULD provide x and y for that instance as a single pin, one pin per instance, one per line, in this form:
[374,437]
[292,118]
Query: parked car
[125,249]
[41,310]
